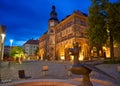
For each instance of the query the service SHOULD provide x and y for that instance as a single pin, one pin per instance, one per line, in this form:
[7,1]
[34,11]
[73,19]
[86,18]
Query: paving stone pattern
[57,70]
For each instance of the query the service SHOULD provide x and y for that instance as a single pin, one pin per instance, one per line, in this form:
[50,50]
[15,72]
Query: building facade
[30,47]
[54,44]
[2,40]
[7,50]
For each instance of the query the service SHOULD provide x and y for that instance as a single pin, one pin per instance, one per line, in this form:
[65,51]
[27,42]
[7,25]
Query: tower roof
[53,14]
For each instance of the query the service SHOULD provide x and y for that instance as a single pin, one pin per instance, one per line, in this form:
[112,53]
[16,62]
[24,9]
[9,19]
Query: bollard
[44,69]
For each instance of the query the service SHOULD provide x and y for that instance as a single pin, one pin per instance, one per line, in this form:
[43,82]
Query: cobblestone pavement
[56,70]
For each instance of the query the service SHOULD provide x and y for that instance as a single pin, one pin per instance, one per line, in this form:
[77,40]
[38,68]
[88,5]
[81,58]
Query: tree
[96,20]
[113,16]
[17,53]
[100,11]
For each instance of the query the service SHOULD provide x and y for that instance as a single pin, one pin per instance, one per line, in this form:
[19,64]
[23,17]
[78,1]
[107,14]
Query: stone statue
[84,68]
[75,52]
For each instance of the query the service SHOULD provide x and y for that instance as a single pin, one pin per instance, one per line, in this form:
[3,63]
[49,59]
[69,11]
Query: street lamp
[11,41]
[2,45]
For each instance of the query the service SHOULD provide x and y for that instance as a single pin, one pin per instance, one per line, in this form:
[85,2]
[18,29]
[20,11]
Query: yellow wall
[68,31]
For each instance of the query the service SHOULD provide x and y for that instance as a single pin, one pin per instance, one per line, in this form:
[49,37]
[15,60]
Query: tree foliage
[104,16]
[114,20]
[96,20]
[16,52]
[113,25]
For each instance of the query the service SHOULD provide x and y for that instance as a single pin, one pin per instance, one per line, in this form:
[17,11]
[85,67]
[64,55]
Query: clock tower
[52,22]
[53,18]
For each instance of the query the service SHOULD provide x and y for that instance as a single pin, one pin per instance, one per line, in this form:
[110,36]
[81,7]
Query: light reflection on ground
[59,82]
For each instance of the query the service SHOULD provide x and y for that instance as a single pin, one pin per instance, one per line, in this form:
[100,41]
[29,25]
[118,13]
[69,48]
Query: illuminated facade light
[81,57]
[3,37]
[62,35]
[72,58]
[62,57]
[2,40]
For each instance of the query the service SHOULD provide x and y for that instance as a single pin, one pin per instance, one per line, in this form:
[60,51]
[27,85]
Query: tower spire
[53,14]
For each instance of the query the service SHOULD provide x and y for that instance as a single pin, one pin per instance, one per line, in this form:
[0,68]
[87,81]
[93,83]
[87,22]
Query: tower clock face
[52,23]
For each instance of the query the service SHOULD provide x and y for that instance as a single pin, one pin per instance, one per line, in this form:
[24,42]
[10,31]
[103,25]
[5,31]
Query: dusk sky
[27,19]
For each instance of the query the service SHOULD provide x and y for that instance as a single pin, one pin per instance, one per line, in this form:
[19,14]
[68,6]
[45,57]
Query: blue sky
[27,19]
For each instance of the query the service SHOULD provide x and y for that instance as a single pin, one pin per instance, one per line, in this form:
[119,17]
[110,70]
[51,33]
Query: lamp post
[2,46]
[11,41]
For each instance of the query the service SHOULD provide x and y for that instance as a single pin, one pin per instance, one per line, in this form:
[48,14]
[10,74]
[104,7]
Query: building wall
[43,46]
[30,48]
[71,29]
[2,40]
[6,50]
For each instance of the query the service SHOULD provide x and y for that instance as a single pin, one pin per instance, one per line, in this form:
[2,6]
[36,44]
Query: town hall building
[60,36]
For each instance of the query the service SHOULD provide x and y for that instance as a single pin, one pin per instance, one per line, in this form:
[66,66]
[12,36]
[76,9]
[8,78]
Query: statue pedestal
[85,72]
[86,81]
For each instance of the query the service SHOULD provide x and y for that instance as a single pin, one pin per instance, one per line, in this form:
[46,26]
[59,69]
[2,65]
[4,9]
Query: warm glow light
[92,53]
[104,48]
[108,53]
[2,46]
[100,52]
[3,37]
[72,57]
[11,41]
[81,57]
[107,50]
[62,57]
[42,57]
